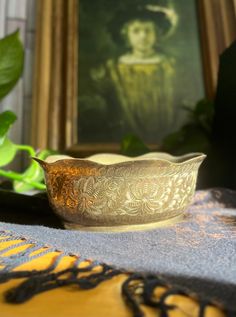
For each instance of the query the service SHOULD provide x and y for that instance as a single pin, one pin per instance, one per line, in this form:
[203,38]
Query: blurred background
[54,34]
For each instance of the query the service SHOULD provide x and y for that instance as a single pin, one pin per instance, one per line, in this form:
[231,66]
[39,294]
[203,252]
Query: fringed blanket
[195,256]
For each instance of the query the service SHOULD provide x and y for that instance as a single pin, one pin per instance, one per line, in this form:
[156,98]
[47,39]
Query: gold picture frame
[55,91]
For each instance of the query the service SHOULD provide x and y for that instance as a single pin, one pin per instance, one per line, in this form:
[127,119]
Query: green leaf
[133,146]
[42,155]
[7,152]
[34,173]
[197,142]
[204,107]
[11,62]
[189,139]
[172,141]
[7,118]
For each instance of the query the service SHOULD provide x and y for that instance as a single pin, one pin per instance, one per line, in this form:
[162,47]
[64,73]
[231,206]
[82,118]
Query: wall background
[20,14]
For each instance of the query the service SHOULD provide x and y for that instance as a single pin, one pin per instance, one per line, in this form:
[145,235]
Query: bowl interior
[108,158]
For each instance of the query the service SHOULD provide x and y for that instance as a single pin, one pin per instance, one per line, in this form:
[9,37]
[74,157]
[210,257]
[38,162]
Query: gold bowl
[115,192]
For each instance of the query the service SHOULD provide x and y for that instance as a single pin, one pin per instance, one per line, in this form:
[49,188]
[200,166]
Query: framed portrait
[118,68]
[139,65]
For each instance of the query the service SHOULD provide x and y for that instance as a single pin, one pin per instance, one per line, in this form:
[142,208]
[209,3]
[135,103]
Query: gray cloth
[198,253]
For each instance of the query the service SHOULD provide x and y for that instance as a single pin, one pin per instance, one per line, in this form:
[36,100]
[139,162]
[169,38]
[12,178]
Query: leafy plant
[32,177]
[11,66]
[11,62]
[132,145]
[195,135]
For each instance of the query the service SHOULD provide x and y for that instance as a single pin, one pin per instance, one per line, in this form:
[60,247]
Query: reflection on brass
[108,190]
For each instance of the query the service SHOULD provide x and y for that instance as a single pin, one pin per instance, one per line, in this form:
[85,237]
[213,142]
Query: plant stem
[22,178]
[27,148]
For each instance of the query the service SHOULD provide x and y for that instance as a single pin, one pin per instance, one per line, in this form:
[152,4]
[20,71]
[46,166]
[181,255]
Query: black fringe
[7,276]
[45,282]
[137,289]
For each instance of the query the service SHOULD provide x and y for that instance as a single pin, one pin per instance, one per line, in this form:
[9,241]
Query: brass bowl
[115,192]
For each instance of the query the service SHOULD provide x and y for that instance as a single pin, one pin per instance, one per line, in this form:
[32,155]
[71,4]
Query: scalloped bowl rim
[111,159]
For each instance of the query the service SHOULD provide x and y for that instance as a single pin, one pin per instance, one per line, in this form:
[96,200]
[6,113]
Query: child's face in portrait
[141,35]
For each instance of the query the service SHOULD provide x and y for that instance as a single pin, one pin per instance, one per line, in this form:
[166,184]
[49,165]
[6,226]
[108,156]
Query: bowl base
[124,228]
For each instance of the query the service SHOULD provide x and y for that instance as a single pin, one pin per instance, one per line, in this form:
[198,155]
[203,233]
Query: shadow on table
[27,210]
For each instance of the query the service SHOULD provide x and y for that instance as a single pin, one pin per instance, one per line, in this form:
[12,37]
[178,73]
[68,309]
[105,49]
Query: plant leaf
[33,173]
[7,118]
[204,107]
[7,152]
[172,141]
[11,62]
[133,146]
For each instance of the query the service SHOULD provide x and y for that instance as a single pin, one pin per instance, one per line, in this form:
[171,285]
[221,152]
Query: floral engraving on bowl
[145,196]
[89,196]
[96,196]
